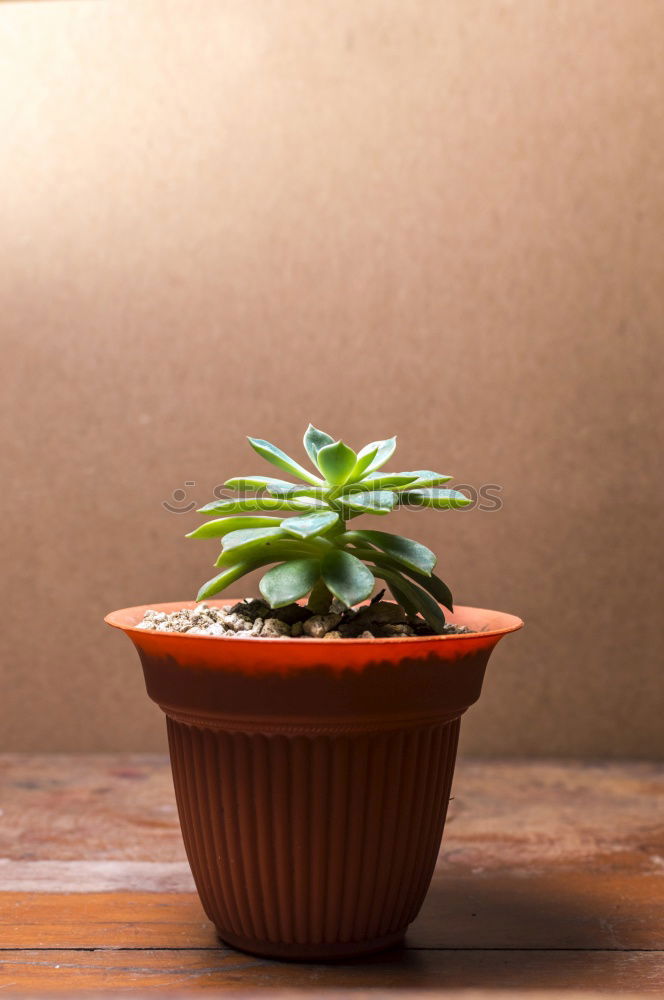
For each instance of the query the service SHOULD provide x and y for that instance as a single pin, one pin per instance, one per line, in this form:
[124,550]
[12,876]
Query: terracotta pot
[312,776]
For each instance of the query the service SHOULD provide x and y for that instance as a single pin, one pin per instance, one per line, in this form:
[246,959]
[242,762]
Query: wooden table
[551,876]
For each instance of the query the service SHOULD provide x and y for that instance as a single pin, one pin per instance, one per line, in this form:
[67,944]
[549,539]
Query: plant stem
[320,599]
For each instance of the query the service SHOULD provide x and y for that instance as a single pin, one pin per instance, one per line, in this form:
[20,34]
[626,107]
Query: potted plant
[313,745]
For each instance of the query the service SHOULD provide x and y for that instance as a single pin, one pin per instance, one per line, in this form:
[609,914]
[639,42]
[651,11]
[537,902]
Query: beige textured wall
[442,218]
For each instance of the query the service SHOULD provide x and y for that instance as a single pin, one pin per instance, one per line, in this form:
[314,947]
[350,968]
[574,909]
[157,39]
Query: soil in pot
[377,620]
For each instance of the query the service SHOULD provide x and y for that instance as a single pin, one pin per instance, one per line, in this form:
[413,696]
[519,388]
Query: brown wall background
[441,218]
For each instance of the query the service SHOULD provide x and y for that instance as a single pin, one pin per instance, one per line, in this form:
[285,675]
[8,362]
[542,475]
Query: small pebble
[389,631]
[275,629]
[213,630]
[319,625]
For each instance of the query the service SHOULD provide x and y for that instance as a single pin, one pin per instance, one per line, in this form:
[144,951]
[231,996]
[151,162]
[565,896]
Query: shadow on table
[552,910]
[563,931]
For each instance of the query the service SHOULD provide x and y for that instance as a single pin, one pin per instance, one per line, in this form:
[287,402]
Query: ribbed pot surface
[313,776]
[312,845]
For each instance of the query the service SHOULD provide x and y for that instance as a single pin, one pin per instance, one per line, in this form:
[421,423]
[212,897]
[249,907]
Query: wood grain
[504,815]
[613,912]
[69,971]
[550,877]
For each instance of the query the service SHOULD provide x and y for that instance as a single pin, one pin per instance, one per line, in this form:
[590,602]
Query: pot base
[312,952]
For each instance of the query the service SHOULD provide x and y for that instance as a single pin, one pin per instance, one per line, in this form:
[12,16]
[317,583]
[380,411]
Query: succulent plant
[302,527]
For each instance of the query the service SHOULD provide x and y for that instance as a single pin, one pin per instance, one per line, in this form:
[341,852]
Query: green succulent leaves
[223,525]
[299,528]
[347,577]
[365,502]
[312,524]
[336,461]
[281,460]
[412,554]
[289,581]
[375,455]
[314,440]
[440,499]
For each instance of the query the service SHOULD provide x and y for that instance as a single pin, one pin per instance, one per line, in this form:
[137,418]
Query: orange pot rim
[127,619]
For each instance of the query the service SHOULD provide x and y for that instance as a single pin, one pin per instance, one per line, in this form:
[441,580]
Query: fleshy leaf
[239,538]
[364,459]
[280,488]
[346,577]
[223,525]
[430,582]
[289,581]
[272,550]
[383,451]
[220,582]
[439,499]
[402,598]
[282,460]
[380,481]
[318,492]
[429,609]
[312,524]
[380,502]
[314,440]
[242,504]
[336,461]
[436,587]
[425,604]
[230,575]
[405,550]
[424,477]
[251,483]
